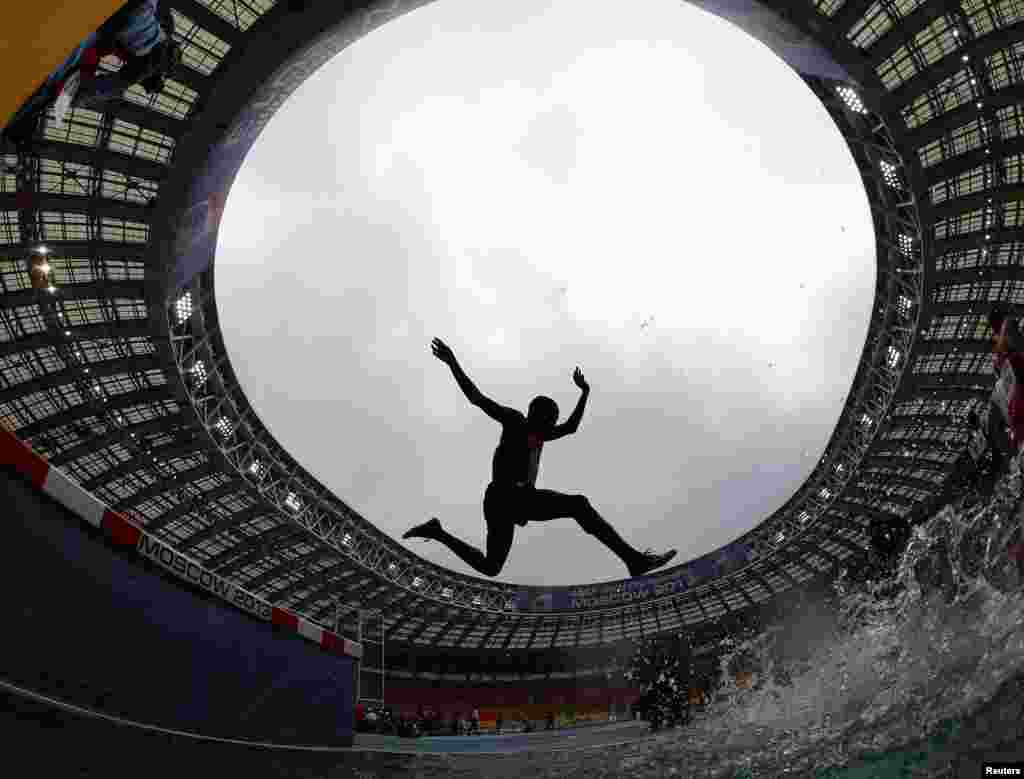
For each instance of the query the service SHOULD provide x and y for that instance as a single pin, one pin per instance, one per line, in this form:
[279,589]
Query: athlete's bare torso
[517,456]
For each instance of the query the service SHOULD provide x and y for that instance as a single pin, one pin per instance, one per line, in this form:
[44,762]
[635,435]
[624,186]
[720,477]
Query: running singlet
[517,458]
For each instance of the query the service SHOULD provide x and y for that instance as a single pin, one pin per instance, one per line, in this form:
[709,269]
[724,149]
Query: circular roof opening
[654,197]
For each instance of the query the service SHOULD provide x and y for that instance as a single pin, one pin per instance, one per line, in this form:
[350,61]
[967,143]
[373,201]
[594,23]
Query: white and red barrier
[124,532]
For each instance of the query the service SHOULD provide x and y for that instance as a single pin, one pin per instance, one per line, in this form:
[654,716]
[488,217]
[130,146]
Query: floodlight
[183,307]
[852,99]
[889,174]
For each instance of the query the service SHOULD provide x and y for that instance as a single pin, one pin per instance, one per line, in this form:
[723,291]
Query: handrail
[82,711]
[120,721]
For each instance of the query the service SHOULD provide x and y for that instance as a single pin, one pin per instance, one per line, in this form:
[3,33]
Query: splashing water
[894,664]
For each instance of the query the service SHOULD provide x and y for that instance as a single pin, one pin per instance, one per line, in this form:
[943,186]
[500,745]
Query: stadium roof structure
[112,365]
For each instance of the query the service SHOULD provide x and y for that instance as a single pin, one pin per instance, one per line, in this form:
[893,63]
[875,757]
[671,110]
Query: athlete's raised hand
[580,382]
[443,352]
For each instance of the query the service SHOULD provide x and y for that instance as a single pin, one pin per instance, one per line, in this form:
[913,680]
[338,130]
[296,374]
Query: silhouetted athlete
[511,498]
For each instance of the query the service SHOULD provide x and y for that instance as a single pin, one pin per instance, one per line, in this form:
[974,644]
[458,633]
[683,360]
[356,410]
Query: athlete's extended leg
[548,504]
[499,542]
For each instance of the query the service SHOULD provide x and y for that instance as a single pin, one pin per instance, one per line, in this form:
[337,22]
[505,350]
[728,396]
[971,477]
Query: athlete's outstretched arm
[572,424]
[495,411]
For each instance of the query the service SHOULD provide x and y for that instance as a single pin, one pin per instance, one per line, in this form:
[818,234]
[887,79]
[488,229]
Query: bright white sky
[531,181]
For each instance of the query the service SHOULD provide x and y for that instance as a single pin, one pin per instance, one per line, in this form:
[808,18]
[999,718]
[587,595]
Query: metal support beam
[976,158]
[100,159]
[284,569]
[929,78]
[871,513]
[849,13]
[984,239]
[896,479]
[101,289]
[153,395]
[97,370]
[126,111]
[217,527]
[132,328]
[325,575]
[176,424]
[250,550]
[964,114]
[326,590]
[170,484]
[162,454]
[205,18]
[902,31]
[96,206]
[100,249]
[977,201]
[977,275]
[923,421]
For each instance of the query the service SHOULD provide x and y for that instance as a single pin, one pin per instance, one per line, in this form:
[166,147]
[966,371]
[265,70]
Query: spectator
[139,34]
[144,43]
[889,537]
[975,467]
[474,722]
[421,718]
[977,442]
[1008,394]
[498,722]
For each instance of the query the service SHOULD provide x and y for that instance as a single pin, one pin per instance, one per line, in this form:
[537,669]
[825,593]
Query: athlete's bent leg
[548,504]
[499,542]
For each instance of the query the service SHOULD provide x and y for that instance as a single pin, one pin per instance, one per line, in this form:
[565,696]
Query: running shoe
[649,561]
[426,530]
